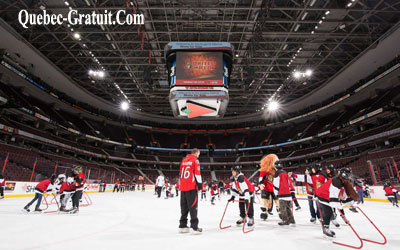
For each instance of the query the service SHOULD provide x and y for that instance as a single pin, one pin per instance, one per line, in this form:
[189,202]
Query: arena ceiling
[272,38]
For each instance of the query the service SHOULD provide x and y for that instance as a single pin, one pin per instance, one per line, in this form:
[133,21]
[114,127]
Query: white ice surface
[137,220]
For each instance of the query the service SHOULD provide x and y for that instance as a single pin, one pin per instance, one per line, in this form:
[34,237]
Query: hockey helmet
[77,169]
[236,168]
[345,173]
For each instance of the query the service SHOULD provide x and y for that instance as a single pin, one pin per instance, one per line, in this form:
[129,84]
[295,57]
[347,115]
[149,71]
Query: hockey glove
[231,199]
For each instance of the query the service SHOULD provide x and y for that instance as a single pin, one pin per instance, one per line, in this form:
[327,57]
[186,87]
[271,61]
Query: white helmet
[70,180]
[62,177]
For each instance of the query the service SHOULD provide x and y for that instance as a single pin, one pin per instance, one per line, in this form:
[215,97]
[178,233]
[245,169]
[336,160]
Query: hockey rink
[138,220]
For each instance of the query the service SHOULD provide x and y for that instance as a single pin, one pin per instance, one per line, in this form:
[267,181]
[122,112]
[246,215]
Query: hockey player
[67,189]
[334,193]
[282,191]
[123,186]
[390,193]
[228,188]
[116,186]
[2,185]
[265,180]
[167,189]
[160,183]
[204,191]
[79,183]
[242,187]
[214,192]
[40,189]
[190,183]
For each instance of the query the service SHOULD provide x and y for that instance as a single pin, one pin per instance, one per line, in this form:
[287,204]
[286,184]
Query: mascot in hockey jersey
[267,172]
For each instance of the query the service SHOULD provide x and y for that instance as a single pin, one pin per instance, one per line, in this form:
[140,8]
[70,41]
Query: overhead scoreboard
[198,76]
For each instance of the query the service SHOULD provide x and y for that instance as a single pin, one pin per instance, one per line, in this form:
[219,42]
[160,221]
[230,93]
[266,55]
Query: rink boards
[14,189]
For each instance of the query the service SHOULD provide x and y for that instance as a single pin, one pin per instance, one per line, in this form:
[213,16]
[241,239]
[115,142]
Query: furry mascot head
[268,163]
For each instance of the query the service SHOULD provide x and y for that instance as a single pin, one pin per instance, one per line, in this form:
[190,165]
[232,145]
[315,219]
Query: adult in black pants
[190,183]
[79,182]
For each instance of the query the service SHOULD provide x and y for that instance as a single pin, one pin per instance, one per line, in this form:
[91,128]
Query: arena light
[77,35]
[101,74]
[273,106]
[124,105]
[299,74]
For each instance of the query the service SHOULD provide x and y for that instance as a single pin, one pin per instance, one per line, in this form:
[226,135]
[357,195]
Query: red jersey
[79,181]
[318,180]
[332,193]
[42,186]
[227,186]
[65,187]
[389,190]
[204,188]
[266,179]
[190,173]
[281,185]
[177,185]
[241,185]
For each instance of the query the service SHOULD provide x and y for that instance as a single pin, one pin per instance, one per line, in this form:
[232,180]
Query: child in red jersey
[67,189]
[204,191]
[242,186]
[390,193]
[214,192]
[40,189]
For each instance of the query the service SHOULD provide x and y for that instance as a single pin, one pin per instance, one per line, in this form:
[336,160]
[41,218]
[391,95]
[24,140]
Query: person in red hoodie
[190,183]
[40,189]
[79,183]
[282,191]
[204,191]
[390,193]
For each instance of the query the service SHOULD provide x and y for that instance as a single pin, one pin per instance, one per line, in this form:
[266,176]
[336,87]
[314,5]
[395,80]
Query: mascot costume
[267,172]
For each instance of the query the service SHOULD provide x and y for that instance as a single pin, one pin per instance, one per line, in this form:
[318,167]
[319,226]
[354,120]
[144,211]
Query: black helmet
[345,173]
[236,168]
[278,164]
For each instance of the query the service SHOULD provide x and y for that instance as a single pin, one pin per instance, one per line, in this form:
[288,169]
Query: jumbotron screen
[199,68]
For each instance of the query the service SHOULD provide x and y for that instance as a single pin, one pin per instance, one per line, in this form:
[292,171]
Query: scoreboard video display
[199,68]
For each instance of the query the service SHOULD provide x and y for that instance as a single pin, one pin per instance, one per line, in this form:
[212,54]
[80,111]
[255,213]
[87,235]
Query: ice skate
[250,223]
[184,230]
[196,230]
[284,223]
[38,210]
[335,223]
[353,209]
[329,234]
[62,209]
[313,220]
[240,221]
[298,208]
[26,209]
[75,210]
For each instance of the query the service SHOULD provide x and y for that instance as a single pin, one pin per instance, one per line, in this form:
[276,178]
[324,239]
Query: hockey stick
[379,231]
[348,223]
[245,218]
